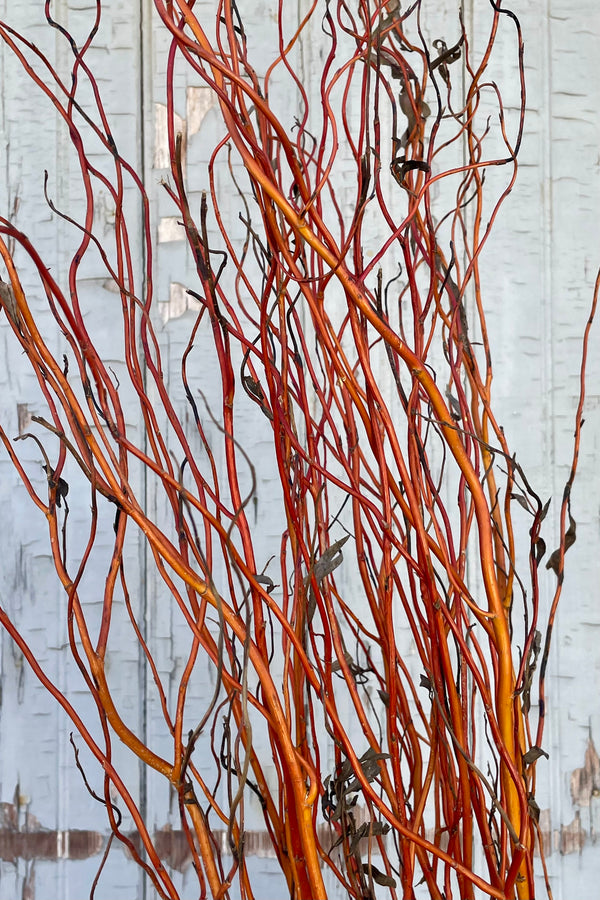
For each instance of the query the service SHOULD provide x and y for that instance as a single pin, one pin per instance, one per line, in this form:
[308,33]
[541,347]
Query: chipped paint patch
[73,844]
[179,302]
[170,229]
[585,782]
[22,837]
[162,159]
[572,836]
[580,831]
[23,417]
[173,848]
[199,100]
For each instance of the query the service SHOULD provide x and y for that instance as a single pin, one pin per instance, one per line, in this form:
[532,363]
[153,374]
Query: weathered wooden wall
[539,272]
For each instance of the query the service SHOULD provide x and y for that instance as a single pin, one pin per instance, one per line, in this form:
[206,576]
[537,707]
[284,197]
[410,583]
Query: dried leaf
[521,500]
[8,302]
[426,682]
[369,763]
[330,560]
[326,564]
[532,754]
[253,387]
[335,810]
[534,810]
[336,666]
[570,538]
[447,56]
[455,410]
[60,485]
[268,582]
[530,667]
[62,489]
[378,876]
[540,550]
[366,830]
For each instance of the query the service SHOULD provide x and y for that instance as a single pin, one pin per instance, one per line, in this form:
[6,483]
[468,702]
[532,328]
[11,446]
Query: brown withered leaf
[545,508]
[532,754]
[330,560]
[369,763]
[540,550]
[378,876]
[323,566]
[59,484]
[8,302]
[268,582]
[336,666]
[367,829]
[570,538]
[534,810]
[253,387]
[530,668]
[521,500]
[426,682]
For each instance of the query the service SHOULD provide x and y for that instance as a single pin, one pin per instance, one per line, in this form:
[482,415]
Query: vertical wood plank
[40,790]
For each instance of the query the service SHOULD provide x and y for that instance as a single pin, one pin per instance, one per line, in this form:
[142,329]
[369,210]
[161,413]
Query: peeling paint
[173,848]
[23,417]
[545,830]
[22,837]
[199,100]
[28,889]
[572,836]
[170,229]
[162,158]
[30,841]
[73,844]
[76,844]
[179,302]
[585,782]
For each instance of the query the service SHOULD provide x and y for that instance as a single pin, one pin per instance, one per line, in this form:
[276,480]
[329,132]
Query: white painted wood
[36,760]
[540,273]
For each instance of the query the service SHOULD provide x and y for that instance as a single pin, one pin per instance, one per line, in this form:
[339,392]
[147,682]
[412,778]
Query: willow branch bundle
[349,316]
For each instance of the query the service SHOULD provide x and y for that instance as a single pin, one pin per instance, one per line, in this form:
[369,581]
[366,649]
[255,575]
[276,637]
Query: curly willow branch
[349,318]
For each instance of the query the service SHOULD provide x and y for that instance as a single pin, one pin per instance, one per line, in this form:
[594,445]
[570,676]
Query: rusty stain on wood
[76,844]
[585,782]
[28,891]
[545,831]
[25,839]
[572,836]
[23,417]
[30,841]
[172,845]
